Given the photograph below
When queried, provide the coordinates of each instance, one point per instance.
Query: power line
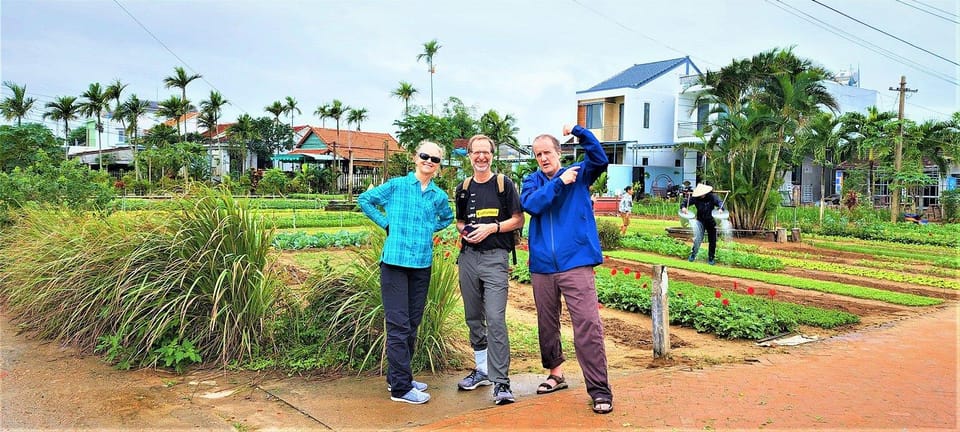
(888, 34)
(144, 27)
(625, 27)
(856, 40)
(928, 12)
(953, 14)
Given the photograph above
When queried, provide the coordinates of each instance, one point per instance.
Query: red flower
(436, 241)
(606, 257)
(446, 254)
(726, 302)
(699, 303)
(750, 290)
(594, 272)
(613, 272)
(637, 276)
(734, 284)
(626, 270)
(772, 292)
(717, 294)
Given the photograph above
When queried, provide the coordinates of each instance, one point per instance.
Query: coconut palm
(180, 80)
(63, 108)
(429, 50)
(94, 105)
(132, 110)
(405, 92)
(18, 105)
(213, 107)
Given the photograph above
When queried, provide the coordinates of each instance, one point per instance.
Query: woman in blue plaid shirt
(413, 208)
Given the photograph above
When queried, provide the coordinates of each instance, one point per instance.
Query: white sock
(481, 358)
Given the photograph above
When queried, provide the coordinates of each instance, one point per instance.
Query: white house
(640, 115)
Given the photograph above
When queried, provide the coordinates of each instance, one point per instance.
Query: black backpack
(462, 205)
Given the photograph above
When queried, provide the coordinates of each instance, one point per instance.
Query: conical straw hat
(701, 190)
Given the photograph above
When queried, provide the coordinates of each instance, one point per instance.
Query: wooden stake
(660, 312)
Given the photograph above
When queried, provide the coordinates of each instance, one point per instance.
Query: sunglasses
(433, 159)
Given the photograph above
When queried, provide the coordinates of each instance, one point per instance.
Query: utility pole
(898, 152)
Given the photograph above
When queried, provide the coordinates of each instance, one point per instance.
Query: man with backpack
(488, 216)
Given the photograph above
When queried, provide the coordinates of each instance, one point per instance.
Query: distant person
(564, 248)
(488, 211)
(413, 209)
(625, 208)
(705, 201)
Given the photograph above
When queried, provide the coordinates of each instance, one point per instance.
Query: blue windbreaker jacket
(563, 232)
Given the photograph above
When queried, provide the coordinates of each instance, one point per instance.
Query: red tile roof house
(362, 152)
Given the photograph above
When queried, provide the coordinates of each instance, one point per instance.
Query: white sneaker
(416, 384)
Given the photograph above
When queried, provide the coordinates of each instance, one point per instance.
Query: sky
(523, 58)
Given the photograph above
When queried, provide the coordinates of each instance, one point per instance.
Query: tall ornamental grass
(348, 307)
(197, 280)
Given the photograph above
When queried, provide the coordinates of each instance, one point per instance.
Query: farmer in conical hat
(705, 201)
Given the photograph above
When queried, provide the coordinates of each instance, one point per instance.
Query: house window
(677, 163)
(121, 136)
(594, 116)
(645, 162)
(703, 113)
(646, 115)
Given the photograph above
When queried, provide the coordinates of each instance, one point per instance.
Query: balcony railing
(687, 129)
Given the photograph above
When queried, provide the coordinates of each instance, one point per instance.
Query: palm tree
(289, 108)
(241, 134)
(277, 109)
(502, 131)
(356, 116)
(132, 110)
(405, 92)
(63, 108)
(113, 91)
(213, 108)
(180, 79)
(823, 140)
(870, 136)
(95, 104)
(429, 50)
(336, 110)
(18, 105)
(174, 108)
(323, 112)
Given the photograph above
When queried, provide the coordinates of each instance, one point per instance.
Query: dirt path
(895, 369)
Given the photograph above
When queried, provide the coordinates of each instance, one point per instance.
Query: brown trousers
(580, 295)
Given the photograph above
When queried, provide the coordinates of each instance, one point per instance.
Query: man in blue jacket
(564, 248)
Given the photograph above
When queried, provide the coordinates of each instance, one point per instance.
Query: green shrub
(950, 200)
(609, 233)
(274, 182)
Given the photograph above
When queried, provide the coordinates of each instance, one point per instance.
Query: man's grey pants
(483, 286)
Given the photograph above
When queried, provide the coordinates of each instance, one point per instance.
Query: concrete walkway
(902, 375)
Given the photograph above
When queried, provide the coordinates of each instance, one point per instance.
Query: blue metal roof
(638, 75)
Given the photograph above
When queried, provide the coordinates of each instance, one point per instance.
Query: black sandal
(545, 387)
(602, 405)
